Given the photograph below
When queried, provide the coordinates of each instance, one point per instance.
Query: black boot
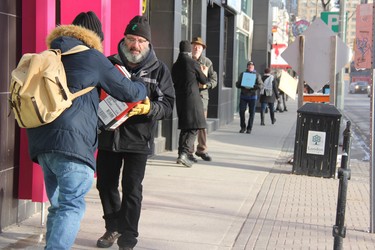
(262, 118)
(273, 119)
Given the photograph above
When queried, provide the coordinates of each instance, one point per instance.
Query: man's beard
(135, 58)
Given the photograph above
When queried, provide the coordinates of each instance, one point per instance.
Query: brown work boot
(107, 239)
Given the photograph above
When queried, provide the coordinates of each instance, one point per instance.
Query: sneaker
(274, 120)
(248, 131)
(192, 158)
(184, 160)
(107, 239)
(242, 130)
(125, 248)
(204, 156)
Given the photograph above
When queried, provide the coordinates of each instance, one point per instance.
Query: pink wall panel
(71, 8)
(38, 19)
(122, 13)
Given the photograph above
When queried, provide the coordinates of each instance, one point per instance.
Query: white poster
(288, 84)
(316, 142)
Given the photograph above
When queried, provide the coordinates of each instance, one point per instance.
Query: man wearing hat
(197, 48)
(248, 96)
(129, 146)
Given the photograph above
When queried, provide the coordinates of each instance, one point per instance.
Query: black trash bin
(316, 141)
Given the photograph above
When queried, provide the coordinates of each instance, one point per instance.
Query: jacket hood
(88, 37)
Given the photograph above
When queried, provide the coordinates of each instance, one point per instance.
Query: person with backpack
(268, 95)
(124, 151)
(65, 148)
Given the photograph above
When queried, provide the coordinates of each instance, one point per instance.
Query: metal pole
(301, 69)
(339, 229)
(42, 214)
(332, 85)
(372, 108)
(339, 78)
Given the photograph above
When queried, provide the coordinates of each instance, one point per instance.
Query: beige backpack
(38, 91)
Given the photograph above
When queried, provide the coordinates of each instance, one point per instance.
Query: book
(248, 80)
(112, 113)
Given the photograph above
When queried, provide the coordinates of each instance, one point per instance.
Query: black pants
(243, 106)
(122, 216)
(186, 140)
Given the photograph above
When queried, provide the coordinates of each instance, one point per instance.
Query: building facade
(225, 26)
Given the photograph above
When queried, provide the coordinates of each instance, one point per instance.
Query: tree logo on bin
(316, 139)
(315, 142)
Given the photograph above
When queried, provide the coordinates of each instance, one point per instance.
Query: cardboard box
(112, 113)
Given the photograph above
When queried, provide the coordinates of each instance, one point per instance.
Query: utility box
(317, 139)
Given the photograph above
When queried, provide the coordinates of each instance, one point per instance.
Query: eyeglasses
(134, 40)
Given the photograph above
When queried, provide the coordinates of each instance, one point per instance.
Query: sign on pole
(331, 19)
(317, 61)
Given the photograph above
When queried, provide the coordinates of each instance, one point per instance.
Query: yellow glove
(141, 108)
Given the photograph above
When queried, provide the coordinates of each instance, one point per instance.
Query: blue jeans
(67, 181)
(243, 106)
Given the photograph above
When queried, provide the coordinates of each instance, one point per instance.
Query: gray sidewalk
(246, 198)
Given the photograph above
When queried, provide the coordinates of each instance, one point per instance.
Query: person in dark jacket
(248, 97)
(65, 148)
(268, 95)
(187, 75)
(197, 48)
(129, 145)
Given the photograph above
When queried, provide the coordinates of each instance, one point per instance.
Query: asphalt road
(357, 109)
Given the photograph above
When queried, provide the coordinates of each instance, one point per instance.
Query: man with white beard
(129, 145)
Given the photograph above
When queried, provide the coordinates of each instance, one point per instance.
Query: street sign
(317, 54)
(331, 19)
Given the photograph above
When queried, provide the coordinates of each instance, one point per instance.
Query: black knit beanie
(185, 46)
(139, 26)
(89, 20)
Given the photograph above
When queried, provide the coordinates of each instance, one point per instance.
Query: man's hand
(202, 86)
(141, 108)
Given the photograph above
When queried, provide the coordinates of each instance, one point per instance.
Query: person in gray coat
(186, 75)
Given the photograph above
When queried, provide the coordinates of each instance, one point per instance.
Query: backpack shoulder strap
(76, 49)
(81, 92)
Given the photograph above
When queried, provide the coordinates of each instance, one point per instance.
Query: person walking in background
(248, 95)
(129, 145)
(268, 94)
(197, 48)
(281, 102)
(65, 148)
(187, 75)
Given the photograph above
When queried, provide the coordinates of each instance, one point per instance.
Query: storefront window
(186, 17)
(243, 42)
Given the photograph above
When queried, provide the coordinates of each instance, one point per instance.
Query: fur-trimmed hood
(88, 37)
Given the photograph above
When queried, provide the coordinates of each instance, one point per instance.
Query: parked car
(358, 87)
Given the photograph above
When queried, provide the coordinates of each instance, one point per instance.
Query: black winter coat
(136, 134)
(186, 75)
(74, 132)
